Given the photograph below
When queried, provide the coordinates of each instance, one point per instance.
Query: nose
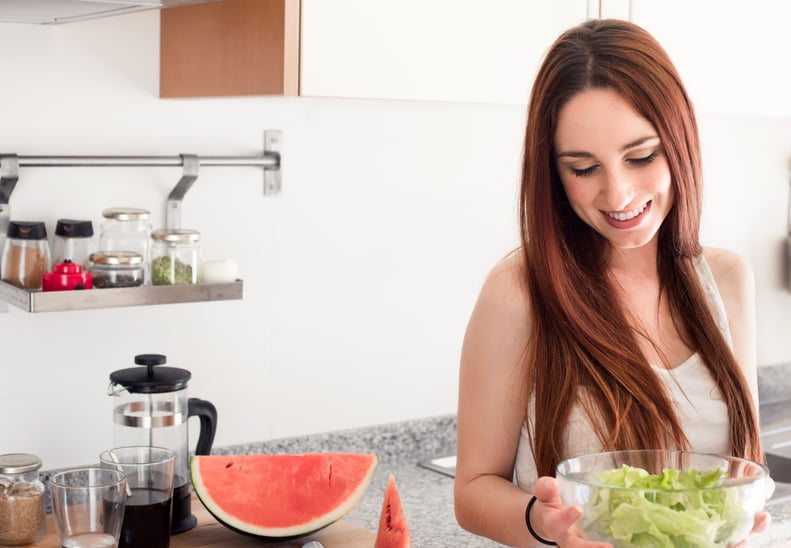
(617, 190)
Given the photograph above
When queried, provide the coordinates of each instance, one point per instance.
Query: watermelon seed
(229, 465)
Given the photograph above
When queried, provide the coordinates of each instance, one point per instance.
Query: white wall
(359, 277)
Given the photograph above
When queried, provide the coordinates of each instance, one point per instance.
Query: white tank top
(700, 407)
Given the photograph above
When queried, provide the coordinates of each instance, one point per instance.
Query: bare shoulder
(732, 273)
(736, 284)
(503, 291)
(499, 325)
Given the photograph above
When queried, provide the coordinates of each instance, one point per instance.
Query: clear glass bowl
(678, 498)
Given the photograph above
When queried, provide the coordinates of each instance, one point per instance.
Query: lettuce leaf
(671, 509)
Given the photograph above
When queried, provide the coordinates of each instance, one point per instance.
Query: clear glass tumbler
(88, 504)
(149, 475)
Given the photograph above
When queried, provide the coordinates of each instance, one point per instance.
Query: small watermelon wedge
(393, 529)
(283, 496)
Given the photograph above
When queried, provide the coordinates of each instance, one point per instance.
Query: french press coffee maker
(151, 407)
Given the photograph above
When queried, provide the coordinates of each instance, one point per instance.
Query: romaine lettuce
(663, 510)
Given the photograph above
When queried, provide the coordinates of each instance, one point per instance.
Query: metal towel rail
(269, 161)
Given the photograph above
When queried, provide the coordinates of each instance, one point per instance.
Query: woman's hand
(761, 523)
(762, 519)
(552, 520)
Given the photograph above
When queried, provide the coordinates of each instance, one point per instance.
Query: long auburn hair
(581, 335)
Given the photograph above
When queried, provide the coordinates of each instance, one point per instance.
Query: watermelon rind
(282, 533)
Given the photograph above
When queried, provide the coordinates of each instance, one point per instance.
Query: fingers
(762, 521)
(550, 517)
(546, 489)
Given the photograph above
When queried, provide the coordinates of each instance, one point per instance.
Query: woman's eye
(584, 172)
(643, 161)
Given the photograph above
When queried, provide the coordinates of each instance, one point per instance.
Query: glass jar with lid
(175, 256)
(116, 269)
(26, 254)
(73, 241)
(21, 500)
(126, 229)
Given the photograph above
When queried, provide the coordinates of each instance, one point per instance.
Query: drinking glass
(149, 475)
(88, 504)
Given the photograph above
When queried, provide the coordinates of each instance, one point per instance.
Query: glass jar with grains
(21, 500)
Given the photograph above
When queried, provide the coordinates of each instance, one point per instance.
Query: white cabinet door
(436, 50)
(733, 55)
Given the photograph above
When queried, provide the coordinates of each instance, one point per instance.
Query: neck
(635, 264)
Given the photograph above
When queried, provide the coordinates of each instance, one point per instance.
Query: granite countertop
(426, 495)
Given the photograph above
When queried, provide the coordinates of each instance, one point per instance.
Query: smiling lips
(626, 219)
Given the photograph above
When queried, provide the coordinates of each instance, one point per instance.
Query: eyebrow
(627, 146)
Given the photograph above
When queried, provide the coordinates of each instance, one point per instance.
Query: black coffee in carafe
(151, 407)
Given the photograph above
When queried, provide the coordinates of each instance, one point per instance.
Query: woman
(610, 327)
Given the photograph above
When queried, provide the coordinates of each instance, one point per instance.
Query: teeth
(627, 215)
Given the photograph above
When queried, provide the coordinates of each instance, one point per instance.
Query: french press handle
(207, 414)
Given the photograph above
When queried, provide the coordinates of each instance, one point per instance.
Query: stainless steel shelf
(38, 301)
(57, 301)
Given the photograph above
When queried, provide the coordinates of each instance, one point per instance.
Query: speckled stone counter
(427, 496)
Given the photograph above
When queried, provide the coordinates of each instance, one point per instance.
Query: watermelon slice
(393, 529)
(281, 497)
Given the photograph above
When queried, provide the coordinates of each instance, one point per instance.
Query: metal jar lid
(126, 213)
(121, 258)
(70, 228)
(19, 463)
(175, 235)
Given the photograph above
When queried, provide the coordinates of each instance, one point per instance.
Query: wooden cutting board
(210, 533)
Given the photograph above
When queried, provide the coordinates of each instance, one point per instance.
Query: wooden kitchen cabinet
(428, 50)
(231, 47)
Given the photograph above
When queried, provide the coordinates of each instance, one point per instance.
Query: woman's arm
(492, 402)
(491, 411)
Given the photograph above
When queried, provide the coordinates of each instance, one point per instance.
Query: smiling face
(613, 168)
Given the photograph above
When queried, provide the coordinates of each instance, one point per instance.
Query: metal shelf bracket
(9, 175)
(272, 178)
(191, 165)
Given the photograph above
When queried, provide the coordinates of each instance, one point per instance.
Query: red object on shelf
(66, 276)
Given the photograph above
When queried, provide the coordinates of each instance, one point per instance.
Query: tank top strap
(713, 297)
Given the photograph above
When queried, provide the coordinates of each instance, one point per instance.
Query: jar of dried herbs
(175, 256)
(21, 500)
